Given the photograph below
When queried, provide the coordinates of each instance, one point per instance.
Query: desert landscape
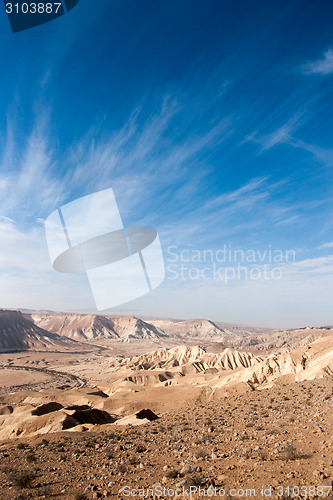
(118, 406)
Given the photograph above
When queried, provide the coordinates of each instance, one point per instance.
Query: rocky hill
(193, 329)
(17, 333)
(197, 357)
(91, 327)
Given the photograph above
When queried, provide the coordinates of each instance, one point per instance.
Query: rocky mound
(6, 410)
(288, 340)
(306, 363)
(46, 408)
(148, 414)
(197, 357)
(91, 416)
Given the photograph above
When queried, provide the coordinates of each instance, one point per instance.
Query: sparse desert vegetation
(171, 416)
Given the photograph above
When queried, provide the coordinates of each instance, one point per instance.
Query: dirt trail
(59, 380)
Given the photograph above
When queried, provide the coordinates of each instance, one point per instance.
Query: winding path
(60, 380)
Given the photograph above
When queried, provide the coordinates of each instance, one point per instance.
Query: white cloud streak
(323, 66)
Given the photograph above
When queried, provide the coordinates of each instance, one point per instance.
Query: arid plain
(118, 406)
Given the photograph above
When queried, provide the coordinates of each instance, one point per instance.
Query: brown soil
(276, 437)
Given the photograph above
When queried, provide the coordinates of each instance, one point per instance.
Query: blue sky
(212, 122)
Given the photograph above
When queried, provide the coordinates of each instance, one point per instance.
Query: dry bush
(23, 479)
(80, 496)
(31, 457)
(290, 452)
(22, 446)
(133, 460)
(201, 453)
(122, 468)
(172, 474)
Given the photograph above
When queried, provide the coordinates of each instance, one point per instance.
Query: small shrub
(140, 448)
(273, 431)
(201, 453)
(194, 480)
(290, 452)
(172, 474)
(31, 458)
(21, 446)
(133, 460)
(113, 436)
(262, 455)
(20, 496)
(122, 468)
(80, 496)
(109, 453)
(23, 479)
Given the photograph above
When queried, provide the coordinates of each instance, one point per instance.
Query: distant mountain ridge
(17, 333)
(194, 328)
(88, 327)
(41, 330)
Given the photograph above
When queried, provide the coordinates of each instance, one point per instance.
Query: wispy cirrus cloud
(258, 205)
(280, 135)
(323, 66)
(149, 161)
(287, 134)
(29, 175)
(142, 161)
(323, 155)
